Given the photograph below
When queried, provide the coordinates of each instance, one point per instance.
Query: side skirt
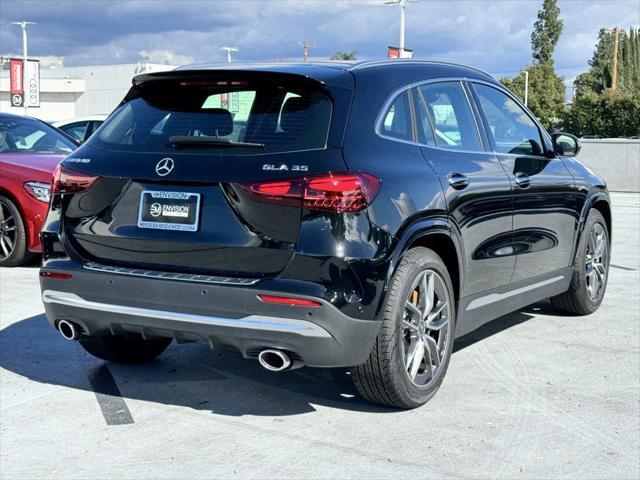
(476, 310)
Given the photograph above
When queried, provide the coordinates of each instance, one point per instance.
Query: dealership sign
(395, 52)
(17, 83)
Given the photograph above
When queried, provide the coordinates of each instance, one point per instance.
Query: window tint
(512, 129)
(453, 124)
(27, 135)
(397, 119)
(283, 118)
(76, 130)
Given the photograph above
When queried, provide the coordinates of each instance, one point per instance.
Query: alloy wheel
(7, 231)
(596, 261)
(425, 325)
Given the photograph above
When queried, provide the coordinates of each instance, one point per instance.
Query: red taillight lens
(294, 302)
(338, 192)
(56, 275)
(66, 180)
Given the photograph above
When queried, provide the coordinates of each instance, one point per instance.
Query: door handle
(522, 180)
(458, 181)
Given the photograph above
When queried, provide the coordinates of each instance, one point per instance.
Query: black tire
(383, 378)
(124, 349)
(577, 300)
(18, 253)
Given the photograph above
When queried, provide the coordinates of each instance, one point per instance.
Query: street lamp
(403, 4)
(25, 80)
(229, 50)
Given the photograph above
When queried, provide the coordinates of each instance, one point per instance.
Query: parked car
(81, 128)
(29, 151)
(364, 216)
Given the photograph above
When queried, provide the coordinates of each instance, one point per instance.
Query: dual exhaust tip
(271, 359)
(68, 330)
(277, 360)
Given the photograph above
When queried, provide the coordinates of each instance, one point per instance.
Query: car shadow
(193, 376)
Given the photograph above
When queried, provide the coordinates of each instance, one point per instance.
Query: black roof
(315, 69)
(396, 72)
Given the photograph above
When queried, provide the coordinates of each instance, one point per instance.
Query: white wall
(75, 91)
(617, 160)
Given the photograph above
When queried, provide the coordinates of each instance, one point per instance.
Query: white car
(81, 128)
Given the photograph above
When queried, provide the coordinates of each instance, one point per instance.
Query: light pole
(305, 49)
(526, 88)
(25, 80)
(229, 50)
(403, 14)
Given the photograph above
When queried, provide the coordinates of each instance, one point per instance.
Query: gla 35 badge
(285, 167)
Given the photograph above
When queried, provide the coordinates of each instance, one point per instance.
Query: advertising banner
(32, 94)
(16, 82)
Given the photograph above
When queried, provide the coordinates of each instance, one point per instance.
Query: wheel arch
(436, 235)
(601, 202)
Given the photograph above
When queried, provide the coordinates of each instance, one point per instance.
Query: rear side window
(450, 116)
(277, 118)
(396, 121)
(513, 130)
(76, 130)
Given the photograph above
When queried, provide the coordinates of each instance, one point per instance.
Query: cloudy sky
(493, 35)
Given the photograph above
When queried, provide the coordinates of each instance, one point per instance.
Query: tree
(546, 32)
(547, 92)
(598, 78)
(611, 114)
(340, 55)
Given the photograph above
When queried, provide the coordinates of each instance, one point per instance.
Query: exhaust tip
(274, 360)
(68, 330)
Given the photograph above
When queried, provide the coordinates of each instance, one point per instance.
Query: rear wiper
(186, 140)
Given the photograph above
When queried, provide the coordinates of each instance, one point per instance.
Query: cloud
(492, 35)
(165, 56)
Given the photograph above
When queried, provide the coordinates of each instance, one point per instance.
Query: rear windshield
(231, 117)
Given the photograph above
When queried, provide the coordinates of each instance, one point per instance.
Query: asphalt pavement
(533, 394)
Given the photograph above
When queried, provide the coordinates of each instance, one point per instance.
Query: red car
(29, 151)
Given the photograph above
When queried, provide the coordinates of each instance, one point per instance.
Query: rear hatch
(196, 171)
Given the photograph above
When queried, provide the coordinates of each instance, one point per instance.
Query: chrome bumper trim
(251, 322)
(184, 277)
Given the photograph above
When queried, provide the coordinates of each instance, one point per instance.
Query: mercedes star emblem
(164, 166)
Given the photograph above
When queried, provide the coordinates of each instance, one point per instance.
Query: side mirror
(565, 144)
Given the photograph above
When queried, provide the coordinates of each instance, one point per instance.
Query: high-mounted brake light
(66, 180)
(337, 192)
(294, 302)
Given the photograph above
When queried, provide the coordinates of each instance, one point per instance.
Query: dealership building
(68, 92)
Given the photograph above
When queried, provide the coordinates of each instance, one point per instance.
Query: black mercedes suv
(328, 215)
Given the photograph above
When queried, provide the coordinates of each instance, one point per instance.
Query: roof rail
(410, 61)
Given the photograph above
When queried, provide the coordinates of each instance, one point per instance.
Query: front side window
(513, 130)
(268, 118)
(448, 110)
(25, 135)
(396, 121)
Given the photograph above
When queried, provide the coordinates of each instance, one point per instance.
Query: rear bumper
(185, 309)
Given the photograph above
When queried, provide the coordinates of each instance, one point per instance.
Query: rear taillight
(291, 301)
(56, 275)
(337, 192)
(66, 180)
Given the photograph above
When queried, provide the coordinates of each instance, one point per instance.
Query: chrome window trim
(404, 88)
(250, 322)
